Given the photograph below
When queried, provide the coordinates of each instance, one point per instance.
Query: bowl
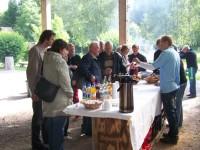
(91, 104)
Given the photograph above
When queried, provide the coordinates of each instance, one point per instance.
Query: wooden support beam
(46, 14)
(122, 22)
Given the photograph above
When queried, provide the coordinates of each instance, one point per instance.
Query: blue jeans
(192, 77)
(179, 108)
(55, 127)
(169, 105)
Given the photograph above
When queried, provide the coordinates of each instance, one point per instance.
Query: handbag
(46, 90)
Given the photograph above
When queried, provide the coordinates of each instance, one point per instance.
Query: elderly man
(111, 62)
(169, 64)
(136, 54)
(90, 72)
(33, 73)
(192, 67)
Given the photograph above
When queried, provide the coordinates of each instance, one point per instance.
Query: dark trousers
(66, 126)
(169, 104)
(55, 127)
(192, 77)
(38, 125)
(87, 126)
(179, 107)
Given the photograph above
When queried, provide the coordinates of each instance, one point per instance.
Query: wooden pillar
(46, 14)
(122, 21)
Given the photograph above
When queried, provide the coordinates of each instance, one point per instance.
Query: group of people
(57, 62)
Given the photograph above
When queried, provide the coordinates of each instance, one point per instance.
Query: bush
(12, 44)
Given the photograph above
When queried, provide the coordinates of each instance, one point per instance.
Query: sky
(4, 5)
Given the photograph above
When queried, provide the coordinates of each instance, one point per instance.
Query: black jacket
(89, 66)
(191, 59)
(118, 66)
(140, 57)
(183, 78)
(155, 56)
(75, 60)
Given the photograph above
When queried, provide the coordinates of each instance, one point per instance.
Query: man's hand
(35, 98)
(73, 67)
(108, 71)
(136, 60)
(73, 82)
(93, 79)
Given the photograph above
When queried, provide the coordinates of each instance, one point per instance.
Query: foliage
(84, 20)
(58, 28)
(111, 35)
(181, 19)
(28, 19)
(12, 44)
(9, 17)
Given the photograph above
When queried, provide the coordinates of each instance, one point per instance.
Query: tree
(58, 28)
(9, 17)
(84, 20)
(28, 19)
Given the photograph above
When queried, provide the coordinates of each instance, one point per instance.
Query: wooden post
(122, 21)
(46, 14)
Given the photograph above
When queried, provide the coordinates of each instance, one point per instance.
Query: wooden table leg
(110, 134)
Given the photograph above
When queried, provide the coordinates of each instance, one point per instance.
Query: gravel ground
(16, 112)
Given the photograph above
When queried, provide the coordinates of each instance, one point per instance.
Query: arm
(84, 68)
(64, 79)
(33, 69)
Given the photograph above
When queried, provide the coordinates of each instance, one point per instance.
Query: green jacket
(55, 70)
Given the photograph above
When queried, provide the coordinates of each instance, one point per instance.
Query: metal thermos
(126, 100)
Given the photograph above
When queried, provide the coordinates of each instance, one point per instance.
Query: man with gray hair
(192, 67)
(90, 72)
(111, 62)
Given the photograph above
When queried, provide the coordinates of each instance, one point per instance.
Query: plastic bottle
(84, 91)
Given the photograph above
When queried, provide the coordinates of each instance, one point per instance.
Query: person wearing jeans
(192, 77)
(192, 67)
(56, 71)
(169, 64)
(55, 127)
(33, 72)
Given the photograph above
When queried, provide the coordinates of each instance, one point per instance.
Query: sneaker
(188, 95)
(68, 137)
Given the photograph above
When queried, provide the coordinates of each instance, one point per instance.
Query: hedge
(12, 44)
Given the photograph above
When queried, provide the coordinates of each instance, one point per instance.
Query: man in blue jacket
(90, 72)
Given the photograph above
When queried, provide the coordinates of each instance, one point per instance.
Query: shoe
(188, 95)
(192, 96)
(165, 135)
(40, 147)
(82, 134)
(169, 140)
(68, 137)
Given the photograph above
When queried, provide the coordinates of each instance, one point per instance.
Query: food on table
(152, 79)
(91, 104)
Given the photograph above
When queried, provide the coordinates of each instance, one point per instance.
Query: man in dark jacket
(180, 94)
(136, 54)
(111, 62)
(90, 70)
(192, 67)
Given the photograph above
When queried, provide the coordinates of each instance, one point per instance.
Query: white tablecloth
(147, 105)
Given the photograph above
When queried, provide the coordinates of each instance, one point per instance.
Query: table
(132, 127)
